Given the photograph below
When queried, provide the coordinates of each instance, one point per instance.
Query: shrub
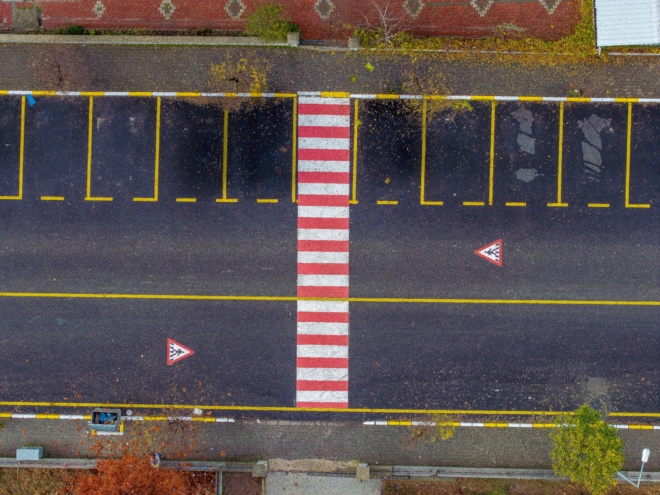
(587, 450)
(269, 22)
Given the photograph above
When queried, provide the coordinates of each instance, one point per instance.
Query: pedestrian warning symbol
(492, 252)
(177, 352)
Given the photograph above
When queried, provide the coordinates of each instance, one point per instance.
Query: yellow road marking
(480, 412)
(141, 93)
(598, 205)
(510, 203)
(474, 203)
(387, 202)
(400, 300)
(294, 153)
(491, 158)
(186, 200)
(90, 130)
(335, 94)
(184, 94)
(157, 157)
(628, 139)
(267, 200)
(225, 152)
(21, 155)
(356, 125)
(52, 198)
(387, 96)
(422, 184)
(560, 159)
(530, 98)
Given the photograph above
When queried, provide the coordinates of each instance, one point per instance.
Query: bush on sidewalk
(587, 450)
(269, 22)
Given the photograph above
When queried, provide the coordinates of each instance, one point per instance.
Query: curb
(64, 39)
(461, 424)
(88, 417)
(329, 94)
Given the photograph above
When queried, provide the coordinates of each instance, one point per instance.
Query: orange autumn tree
(131, 474)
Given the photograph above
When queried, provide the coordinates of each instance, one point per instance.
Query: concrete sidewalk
(248, 440)
(176, 68)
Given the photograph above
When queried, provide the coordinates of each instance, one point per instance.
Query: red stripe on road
(306, 339)
(324, 246)
(316, 385)
(323, 109)
(324, 155)
(322, 317)
(322, 362)
(324, 132)
(324, 177)
(323, 405)
(322, 268)
(337, 292)
(323, 200)
(323, 223)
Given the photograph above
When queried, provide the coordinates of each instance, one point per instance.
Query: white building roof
(627, 22)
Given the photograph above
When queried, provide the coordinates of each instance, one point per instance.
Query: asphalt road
(441, 354)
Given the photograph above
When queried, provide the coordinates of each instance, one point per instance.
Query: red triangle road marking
(492, 252)
(177, 352)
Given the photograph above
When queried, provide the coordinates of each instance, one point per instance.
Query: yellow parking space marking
(560, 159)
(157, 157)
(90, 131)
(628, 139)
(491, 158)
(387, 202)
(513, 203)
(267, 200)
(598, 205)
(186, 200)
(21, 156)
(422, 184)
(474, 203)
(356, 126)
(225, 151)
(294, 153)
(52, 198)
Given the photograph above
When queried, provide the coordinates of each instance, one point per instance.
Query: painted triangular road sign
(492, 252)
(177, 352)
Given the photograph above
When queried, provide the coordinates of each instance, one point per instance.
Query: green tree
(587, 450)
(269, 22)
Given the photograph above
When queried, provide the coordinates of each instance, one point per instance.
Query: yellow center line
(399, 300)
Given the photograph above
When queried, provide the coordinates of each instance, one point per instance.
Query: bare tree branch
(387, 23)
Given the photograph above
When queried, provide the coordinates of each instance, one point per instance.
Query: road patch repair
(418, 293)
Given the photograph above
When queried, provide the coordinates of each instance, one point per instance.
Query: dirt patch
(241, 484)
(502, 487)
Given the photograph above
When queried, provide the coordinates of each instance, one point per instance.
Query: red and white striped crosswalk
(323, 242)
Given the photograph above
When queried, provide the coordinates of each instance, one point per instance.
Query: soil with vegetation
(503, 487)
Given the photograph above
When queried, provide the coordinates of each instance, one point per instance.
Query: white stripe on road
(325, 396)
(331, 374)
(327, 189)
(324, 120)
(322, 280)
(307, 143)
(322, 351)
(322, 257)
(323, 166)
(311, 100)
(322, 234)
(323, 211)
(322, 328)
(323, 306)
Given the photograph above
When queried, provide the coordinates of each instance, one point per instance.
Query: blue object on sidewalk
(31, 100)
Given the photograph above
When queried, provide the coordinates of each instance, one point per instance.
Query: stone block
(29, 453)
(25, 19)
(259, 469)
(353, 43)
(363, 473)
(293, 39)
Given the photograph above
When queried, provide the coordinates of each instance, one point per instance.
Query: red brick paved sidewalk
(318, 19)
